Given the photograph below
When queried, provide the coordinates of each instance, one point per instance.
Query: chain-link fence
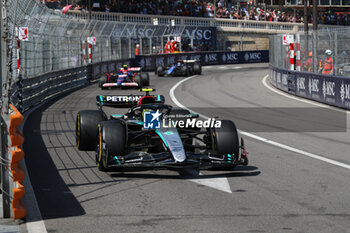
(57, 41)
(322, 52)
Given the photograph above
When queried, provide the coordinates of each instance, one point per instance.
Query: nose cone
(172, 139)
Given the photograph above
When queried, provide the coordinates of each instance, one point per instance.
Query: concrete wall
(241, 41)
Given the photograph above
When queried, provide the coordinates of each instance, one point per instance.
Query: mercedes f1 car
(134, 140)
(181, 68)
(133, 77)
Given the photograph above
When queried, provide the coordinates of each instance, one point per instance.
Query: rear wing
(134, 69)
(123, 101)
(191, 61)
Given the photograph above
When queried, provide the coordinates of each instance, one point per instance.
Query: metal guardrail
(26, 93)
(228, 25)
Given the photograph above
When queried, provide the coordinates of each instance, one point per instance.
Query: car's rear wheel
(103, 80)
(138, 80)
(197, 68)
(111, 143)
(160, 71)
(185, 71)
(145, 79)
(86, 128)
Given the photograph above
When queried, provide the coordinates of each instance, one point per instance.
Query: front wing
(164, 160)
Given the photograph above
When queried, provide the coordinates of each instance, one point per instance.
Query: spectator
(328, 63)
(197, 8)
(137, 50)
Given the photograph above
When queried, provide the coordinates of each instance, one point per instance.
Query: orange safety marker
(18, 174)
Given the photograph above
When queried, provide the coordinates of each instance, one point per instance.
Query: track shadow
(54, 197)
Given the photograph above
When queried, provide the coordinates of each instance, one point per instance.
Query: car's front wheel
(111, 143)
(86, 128)
(103, 80)
(225, 142)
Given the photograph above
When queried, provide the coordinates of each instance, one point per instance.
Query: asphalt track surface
(279, 191)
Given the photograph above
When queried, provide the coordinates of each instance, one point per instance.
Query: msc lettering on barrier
(301, 84)
(344, 92)
(328, 88)
(313, 85)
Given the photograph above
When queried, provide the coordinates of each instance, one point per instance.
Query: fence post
(314, 52)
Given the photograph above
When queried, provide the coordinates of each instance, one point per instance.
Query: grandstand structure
(226, 25)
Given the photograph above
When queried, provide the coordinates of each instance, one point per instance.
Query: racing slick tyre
(197, 68)
(185, 71)
(145, 79)
(160, 71)
(138, 80)
(103, 80)
(225, 139)
(111, 143)
(86, 128)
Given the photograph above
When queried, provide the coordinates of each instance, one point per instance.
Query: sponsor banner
(332, 90)
(150, 62)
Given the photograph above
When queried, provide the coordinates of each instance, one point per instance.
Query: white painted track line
(256, 137)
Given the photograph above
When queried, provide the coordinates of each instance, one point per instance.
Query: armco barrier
(17, 139)
(26, 93)
(332, 90)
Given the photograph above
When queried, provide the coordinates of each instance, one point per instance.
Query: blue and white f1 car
(140, 139)
(181, 68)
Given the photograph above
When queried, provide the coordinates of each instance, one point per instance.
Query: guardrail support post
(89, 72)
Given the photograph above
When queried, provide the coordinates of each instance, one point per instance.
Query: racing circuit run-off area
(124, 122)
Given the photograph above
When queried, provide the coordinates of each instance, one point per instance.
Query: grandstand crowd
(197, 8)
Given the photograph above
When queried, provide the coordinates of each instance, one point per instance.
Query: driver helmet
(328, 52)
(125, 67)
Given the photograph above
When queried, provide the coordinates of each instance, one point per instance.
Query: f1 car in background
(181, 68)
(125, 141)
(132, 77)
